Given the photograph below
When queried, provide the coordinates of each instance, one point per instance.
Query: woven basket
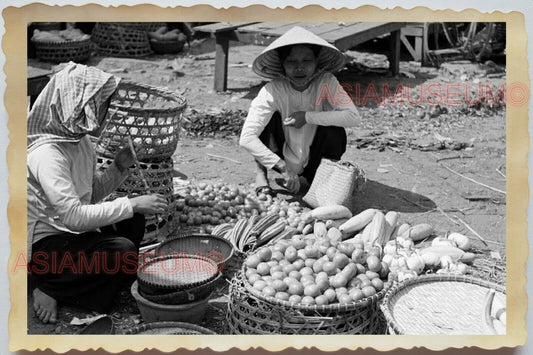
(215, 248)
(443, 304)
(120, 40)
(335, 183)
(150, 116)
(141, 26)
(168, 328)
(163, 275)
(58, 52)
(250, 312)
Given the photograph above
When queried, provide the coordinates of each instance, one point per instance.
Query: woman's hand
(296, 119)
(149, 204)
(124, 159)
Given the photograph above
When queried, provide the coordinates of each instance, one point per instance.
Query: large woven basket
(150, 116)
(250, 312)
(166, 47)
(168, 328)
(58, 52)
(439, 304)
(121, 39)
(335, 183)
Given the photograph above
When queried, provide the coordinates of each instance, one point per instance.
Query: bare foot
(45, 307)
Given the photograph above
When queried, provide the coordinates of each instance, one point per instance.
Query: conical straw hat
(268, 64)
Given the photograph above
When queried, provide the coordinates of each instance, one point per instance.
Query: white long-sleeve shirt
(325, 102)
(64, 190)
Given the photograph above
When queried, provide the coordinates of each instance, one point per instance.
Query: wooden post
(394, 58)
(221, 63)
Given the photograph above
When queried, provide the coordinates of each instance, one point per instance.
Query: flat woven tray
(439, 304)
(215, 248)
(168, 328)
(149, 115)
(250, 312)
(177, 272)
(57, 52)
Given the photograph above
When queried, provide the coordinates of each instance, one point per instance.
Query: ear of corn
(391, 218)
(358, 221)
(377, 230)
(324, 213)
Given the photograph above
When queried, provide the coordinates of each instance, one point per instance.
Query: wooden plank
(221, 27)
(365, 32)
(275, 29)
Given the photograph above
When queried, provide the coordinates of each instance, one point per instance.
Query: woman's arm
(261, 110)
(51, 170)
(342, 111)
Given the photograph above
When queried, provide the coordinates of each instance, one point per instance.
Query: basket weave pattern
(442, 304)
(335, 183)
(149, 115)
(249, 312)
(57, 52)
(121, 40)
(168, 328)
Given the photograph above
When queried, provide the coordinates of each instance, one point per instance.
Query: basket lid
(177, 271)
(440, 304)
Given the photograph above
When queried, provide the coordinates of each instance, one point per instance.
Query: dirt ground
(427, 162)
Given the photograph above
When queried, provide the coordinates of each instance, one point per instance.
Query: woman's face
(300, 65)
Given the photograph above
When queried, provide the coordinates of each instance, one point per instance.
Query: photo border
(15, 100)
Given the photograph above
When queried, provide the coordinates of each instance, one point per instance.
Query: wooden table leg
(221, 63)
(394, 58)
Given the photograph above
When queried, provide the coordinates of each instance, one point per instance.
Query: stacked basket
(175, 287)
(149, 118)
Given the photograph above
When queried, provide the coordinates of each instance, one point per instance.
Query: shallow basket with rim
(149, 115)
(64, 51)
(251, 312)
(439, 304)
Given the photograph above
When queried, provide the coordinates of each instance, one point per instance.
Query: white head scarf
(69, 106)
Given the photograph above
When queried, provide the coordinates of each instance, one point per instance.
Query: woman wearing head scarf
(81, 249)
(298, 118)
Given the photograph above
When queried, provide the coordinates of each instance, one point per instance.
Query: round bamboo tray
(250, 312)
(444, 304)
(168, 328)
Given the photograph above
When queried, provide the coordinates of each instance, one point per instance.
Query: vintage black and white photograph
(301, 178)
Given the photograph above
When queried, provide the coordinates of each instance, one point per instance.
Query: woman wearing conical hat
(299, 117)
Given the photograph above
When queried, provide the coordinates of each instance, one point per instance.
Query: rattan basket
(439, 304)
(117, 39)
(250, 312)
(150, 116)
(335, 183)
(168, 328)
(58, 52)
